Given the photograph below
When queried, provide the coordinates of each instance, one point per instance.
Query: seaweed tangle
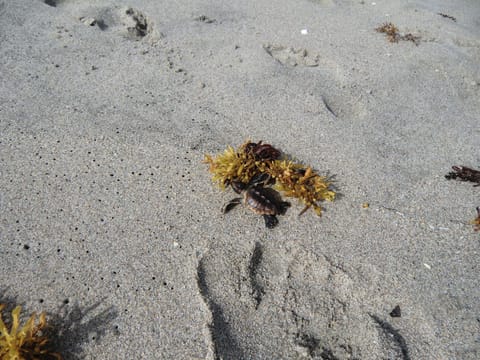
(393, 35)
(27, 342)
(252, 160)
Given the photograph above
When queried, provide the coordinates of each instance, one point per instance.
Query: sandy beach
(111, 224)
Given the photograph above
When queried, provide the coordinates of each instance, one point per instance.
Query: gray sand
(110, 221)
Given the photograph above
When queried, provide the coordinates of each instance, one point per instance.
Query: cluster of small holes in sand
(63, 31)
(150, 282)
(51, 177)
(147, 99)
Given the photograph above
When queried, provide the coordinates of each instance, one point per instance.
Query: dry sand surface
(110, 222)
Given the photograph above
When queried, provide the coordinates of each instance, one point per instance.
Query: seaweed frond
(26, 342)
(447, 16)
(232, 165)
(476, 222)
(296, 180)
(390, 30)
(393, 35)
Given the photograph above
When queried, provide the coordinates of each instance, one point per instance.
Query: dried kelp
(252, 160)
(447, 16)
(464, 173)
(27, 342)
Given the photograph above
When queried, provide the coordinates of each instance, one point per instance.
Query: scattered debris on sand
(394, 36)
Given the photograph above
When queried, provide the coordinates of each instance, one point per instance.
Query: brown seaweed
(394, 36)
(448, 16)
(464, 173)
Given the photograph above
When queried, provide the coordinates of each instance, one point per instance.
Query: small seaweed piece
(447, 16)
(390, 30)
(27, 342)
(476, 222)
(205, 19)
(261, 151)
(232, 166)
(410, 37)
(296, 180)
(394, 36)
(464, 173)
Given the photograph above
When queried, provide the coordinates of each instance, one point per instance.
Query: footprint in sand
(270, 303)
(126, 21)
(291, 57)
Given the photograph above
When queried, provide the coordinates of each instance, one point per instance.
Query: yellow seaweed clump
(296, 180)
(233, 165)
(290, 178)
(27, 342)
(476, 222)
